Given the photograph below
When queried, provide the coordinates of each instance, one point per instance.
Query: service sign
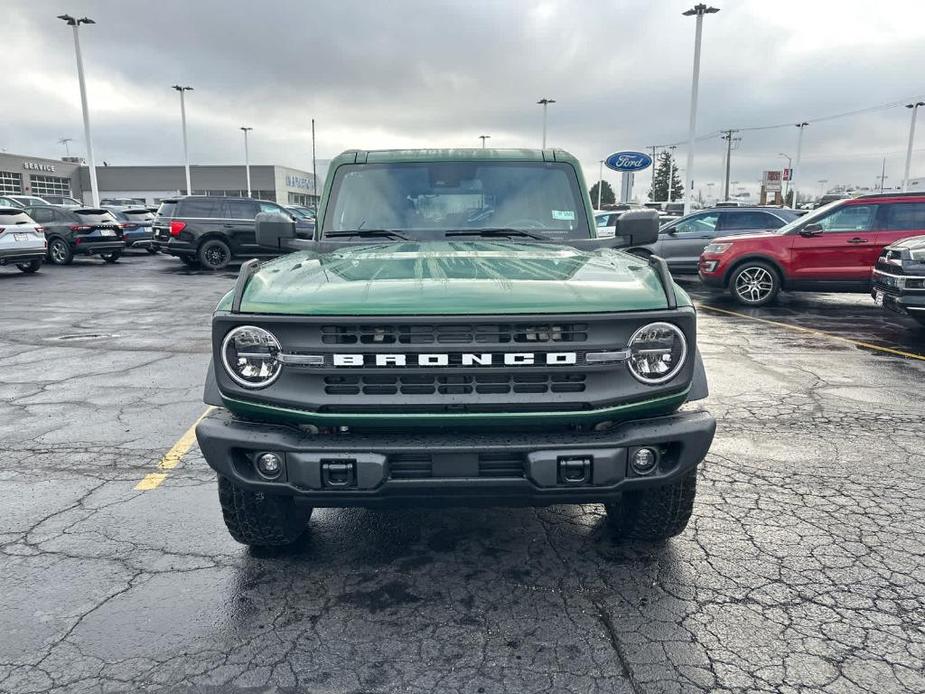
(628, 161)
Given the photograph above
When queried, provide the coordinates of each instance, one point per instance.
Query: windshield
(808, 218)
(95, 216)
(424, 200)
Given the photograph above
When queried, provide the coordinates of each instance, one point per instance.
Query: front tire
(754, 283)
(30, 267)
(261, 520)
(111, 257)
(60, 253)
(654, 515)
(214, 254)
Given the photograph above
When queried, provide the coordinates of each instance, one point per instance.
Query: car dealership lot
(802, 567)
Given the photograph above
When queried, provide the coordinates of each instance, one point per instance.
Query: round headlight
(250, 356)
(657, 352)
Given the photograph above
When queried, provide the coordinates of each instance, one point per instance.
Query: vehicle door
(899, 220)
(238, 222)
(841, 246)
(681, 243)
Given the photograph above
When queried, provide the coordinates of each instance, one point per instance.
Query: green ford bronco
(455, 333)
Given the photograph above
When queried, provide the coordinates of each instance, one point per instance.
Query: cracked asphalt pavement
(803, 568)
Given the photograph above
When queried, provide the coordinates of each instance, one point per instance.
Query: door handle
(228, 226)
(857, 240)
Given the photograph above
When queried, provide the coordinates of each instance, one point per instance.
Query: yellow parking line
(813, 331)
(172, 458)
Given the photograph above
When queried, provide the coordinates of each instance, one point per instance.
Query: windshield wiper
(390, 233)
(499, 231)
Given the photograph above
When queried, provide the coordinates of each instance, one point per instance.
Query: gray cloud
(438, 73)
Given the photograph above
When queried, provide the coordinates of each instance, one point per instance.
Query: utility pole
(483, 138)
(545, 103)
(74, 23)
(654, 164)
(600, 184)
(182, 90)
(796, 166)
(728, 138)
(671, 149)
(914, 107)
(698, 11)
(790, 172)
(314, 171)
(247, 160)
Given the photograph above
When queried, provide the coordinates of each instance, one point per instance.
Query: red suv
(833, 248)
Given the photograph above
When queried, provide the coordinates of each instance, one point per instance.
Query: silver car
(22, 241)
(680, 242)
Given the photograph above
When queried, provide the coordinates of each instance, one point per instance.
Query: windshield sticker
(564, 215)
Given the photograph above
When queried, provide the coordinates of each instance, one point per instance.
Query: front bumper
(898, 301)
(461, 468)
(711, 271)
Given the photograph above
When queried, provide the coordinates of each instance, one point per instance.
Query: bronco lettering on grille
(465, 358)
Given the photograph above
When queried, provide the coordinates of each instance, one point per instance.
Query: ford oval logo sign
(628, 161)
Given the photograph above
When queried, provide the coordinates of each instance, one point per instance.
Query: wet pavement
(803, 568)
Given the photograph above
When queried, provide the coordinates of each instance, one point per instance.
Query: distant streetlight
(483, 138)
(247, 162)
(698, 11)
(91, 162)
(796, 165)
(789, 161)
(914, 107)
(545, 103)
(189, 186)
(64, 141)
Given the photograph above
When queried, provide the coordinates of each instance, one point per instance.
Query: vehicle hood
(912, 243)
(744, 237)
(449, 277)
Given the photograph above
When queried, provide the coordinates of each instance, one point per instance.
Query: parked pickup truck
(454, 333)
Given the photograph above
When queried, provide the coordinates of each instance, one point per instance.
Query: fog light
(644, 461)
(269, 465)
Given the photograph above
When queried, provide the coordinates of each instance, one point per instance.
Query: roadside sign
(772, 181)
(628, 161)
(787, 174)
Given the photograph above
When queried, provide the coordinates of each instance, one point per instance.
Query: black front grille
(415, 466)
(450, 334)
(426, 384)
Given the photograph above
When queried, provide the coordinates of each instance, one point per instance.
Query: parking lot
(802, 567)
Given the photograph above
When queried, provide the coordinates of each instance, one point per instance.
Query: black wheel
(189, 260)
(152, 250)
(30, 267)
(261, 520)
(754, 283)
(111, 257)
(214, 254)
(655, 514)
(59, 252)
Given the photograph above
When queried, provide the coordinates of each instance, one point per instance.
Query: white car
(22, 241)
(28, 200)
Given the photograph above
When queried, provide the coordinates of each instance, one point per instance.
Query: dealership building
(25, 175)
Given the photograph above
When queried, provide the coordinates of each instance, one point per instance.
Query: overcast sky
(434, 73)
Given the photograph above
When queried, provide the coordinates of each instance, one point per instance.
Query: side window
(849, 218)
(239, 209)
(750, 220)
(905, 216)
(601, 220)
(198, 208)
(697, 224)
(42, 215)
(270, 207)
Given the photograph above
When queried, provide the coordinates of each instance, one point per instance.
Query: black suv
(79, 231)
(899, 278)
(210, 231)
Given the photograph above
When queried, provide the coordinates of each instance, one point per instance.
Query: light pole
(483, 138)
(247, 161)
(545, 102)
(600, 183)
(64, 141)
(74, 23)
(822, 182)
(796, 166)
(698, 11)
(789, 162)
(189, 186)
(914, 107)
(672, 148)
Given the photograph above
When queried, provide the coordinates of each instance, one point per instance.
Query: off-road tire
(30, 267)
(214, 254)
(261, 520)
(656, 514)
(111, 257)
(765, 283)
(60, 253)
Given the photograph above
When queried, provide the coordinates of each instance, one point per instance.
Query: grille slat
(409, 466)
(479, 333)
(496, 384)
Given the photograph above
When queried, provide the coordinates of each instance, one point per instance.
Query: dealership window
(256, 194)
(10, 183)
(302, 199)
(50, 185)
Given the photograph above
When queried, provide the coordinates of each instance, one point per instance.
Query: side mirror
(274, 230)
(811, 230)
(638, 227)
